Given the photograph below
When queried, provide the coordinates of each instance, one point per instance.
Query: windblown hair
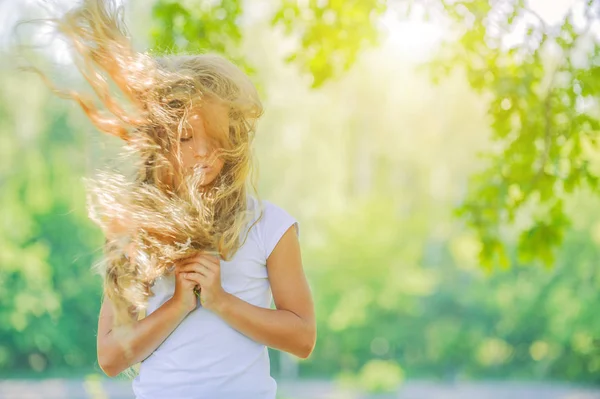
(161, 214)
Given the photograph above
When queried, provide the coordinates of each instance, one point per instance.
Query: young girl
(186, 244)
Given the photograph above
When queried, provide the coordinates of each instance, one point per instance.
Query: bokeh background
(442, 158)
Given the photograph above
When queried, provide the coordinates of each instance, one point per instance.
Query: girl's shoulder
(273, 223)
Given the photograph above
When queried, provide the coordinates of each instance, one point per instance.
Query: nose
(201, 149)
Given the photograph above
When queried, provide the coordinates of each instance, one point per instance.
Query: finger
(196, 278)
(189, 276)
(188, 259)
(186, 265)
(199, 258)
(181, 276)
(208, 278)
(197, 270)
(202, 266)
(204, 255)
(183, 262)
(187, 283)
(215, 260)
(210, 263)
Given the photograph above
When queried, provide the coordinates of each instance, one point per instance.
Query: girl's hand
(184, 297)
(205, 270)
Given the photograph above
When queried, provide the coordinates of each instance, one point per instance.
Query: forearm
(276, 328)
(128, 345)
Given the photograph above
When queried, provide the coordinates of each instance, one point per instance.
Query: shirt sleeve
(275, 222)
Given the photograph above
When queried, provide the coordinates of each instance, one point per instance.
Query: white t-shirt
(205, 358)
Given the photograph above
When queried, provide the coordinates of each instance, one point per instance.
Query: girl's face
(201, 138)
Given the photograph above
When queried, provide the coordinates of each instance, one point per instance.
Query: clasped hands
(204, 270)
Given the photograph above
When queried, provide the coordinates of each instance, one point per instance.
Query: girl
(192, 260)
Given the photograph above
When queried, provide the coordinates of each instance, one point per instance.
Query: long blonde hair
(149, 221)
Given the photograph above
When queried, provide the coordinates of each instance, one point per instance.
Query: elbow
(304, 353)
(110, 372)
(108, 368)
(307, 343)
(108, 364)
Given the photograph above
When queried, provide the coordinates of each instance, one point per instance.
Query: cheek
(219, 165)
(186, 155)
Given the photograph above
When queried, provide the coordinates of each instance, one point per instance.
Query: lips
(202, 168)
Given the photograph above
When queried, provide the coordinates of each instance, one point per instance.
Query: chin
(208, 183)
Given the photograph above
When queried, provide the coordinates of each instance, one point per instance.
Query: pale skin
(290, 327)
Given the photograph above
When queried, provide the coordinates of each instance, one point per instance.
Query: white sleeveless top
(204, 357)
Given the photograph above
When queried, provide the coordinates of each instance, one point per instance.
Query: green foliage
(47, 291)
(546, 140)
(330, 33)
(196, 26)
(524, 323)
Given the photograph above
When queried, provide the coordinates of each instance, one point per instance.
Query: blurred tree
(330, 33)
(401, 297)
(540, 80)
(47, 292)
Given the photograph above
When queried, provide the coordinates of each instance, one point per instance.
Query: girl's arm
(120, 348)
(290, 327)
